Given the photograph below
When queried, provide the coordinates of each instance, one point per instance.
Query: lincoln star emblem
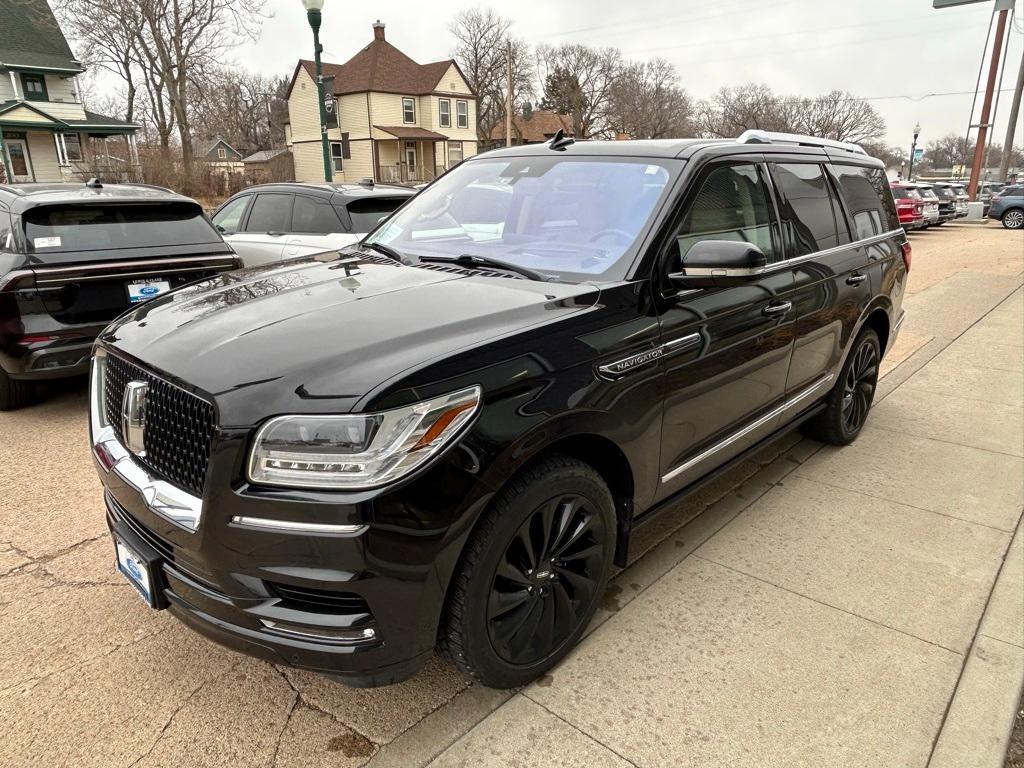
(133, 416)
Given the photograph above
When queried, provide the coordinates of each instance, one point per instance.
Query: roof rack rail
(775, 137)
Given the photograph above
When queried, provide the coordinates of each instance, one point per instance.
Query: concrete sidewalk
(867, 609)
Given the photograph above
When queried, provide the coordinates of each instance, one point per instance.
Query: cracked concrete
(90, 677)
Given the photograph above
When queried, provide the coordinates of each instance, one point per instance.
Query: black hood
(307, 337)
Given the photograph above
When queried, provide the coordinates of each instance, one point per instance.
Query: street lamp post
(313, 8)
(913, 149)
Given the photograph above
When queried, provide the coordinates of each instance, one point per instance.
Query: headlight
(358, 451)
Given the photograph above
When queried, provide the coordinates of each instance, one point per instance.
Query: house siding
(61, 111)
(303, 110)
(309, 161)
(6, 90)
(352, 117)
(44, 156)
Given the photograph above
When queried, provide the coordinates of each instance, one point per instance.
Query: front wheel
(531, 575)
(847, 405)
(1013, 218)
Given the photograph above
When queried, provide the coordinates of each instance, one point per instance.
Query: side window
(462, 114)
(315, 216)
(229, 218)
(731, 204)
(444, 111)
(270, 213)
(408, 110)
(869, 200)
(810, 218)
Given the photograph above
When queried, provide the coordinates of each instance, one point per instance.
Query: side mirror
(719, 263)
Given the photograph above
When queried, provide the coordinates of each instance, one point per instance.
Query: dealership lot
(815, 606)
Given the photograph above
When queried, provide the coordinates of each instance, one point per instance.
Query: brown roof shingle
(411, 132)
(382, 67)
(542, 125)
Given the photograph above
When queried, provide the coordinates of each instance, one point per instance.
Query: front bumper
(350, 585)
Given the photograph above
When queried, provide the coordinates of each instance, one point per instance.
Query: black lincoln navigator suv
(443, 436)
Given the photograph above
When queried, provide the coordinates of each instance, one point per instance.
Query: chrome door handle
(856, 278)
(772, 310)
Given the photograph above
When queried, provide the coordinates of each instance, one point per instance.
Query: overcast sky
(873, 48)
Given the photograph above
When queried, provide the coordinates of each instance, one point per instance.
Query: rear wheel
(14, 393)
(532, 574)
(1013, 218)
(848, 404)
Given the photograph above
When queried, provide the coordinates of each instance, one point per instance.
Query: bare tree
(578, 81)
(647, 102)
(839, 115)
(835, 115)
(733, 110)
(182, 37)
(246, 109)
(482, 38)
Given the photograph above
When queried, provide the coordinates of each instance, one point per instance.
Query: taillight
(907, 253)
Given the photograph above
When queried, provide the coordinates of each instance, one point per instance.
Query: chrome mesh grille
(179, 425)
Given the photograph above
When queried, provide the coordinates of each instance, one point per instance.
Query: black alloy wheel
(849, 402)
(531, 573)
(859, 386)
(546, 579)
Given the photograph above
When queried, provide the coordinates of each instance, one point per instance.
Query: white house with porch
(397, 120)
(45, 132)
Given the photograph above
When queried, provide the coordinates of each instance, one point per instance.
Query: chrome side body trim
(290, 526)
(709, 452)
(166, 500)
(622, 366)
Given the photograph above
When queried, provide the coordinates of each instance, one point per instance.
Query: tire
(848, 404)
(531, 575)
(14, 393)
(1013, 218)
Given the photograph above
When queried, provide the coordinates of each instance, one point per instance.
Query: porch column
(64, 149)
(8, 176)
(14, 84)
(60, 154)
(133, 149)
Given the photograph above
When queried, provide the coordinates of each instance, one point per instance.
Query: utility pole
(986, 104)
(1011, 126)
(508, 96)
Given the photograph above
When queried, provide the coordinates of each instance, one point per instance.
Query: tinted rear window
(367, 212)
(64, 228)
(868, 199)
(905, 192)
(807, 210)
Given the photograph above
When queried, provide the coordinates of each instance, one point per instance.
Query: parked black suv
(73, 257)
(445, 435)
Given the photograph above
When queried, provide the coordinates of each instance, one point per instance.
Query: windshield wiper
(388, 251)
(469, 260)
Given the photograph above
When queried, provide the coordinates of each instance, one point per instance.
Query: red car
(909, 206)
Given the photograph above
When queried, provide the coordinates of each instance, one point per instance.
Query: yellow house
(397, 120)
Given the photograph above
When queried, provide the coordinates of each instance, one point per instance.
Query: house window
(336, 156)
(454, 153)
(73, 146)
(444, 107)
(34, 87)
(222, 153)
(462, 113)
(408, 110)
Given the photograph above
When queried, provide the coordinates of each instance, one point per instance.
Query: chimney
(378, 30)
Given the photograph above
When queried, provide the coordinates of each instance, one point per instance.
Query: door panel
(832, 285)
(21, 165)
(262, 241)
(720, 394)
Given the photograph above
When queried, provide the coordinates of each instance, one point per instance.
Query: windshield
(63, 228)
(571, 219)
